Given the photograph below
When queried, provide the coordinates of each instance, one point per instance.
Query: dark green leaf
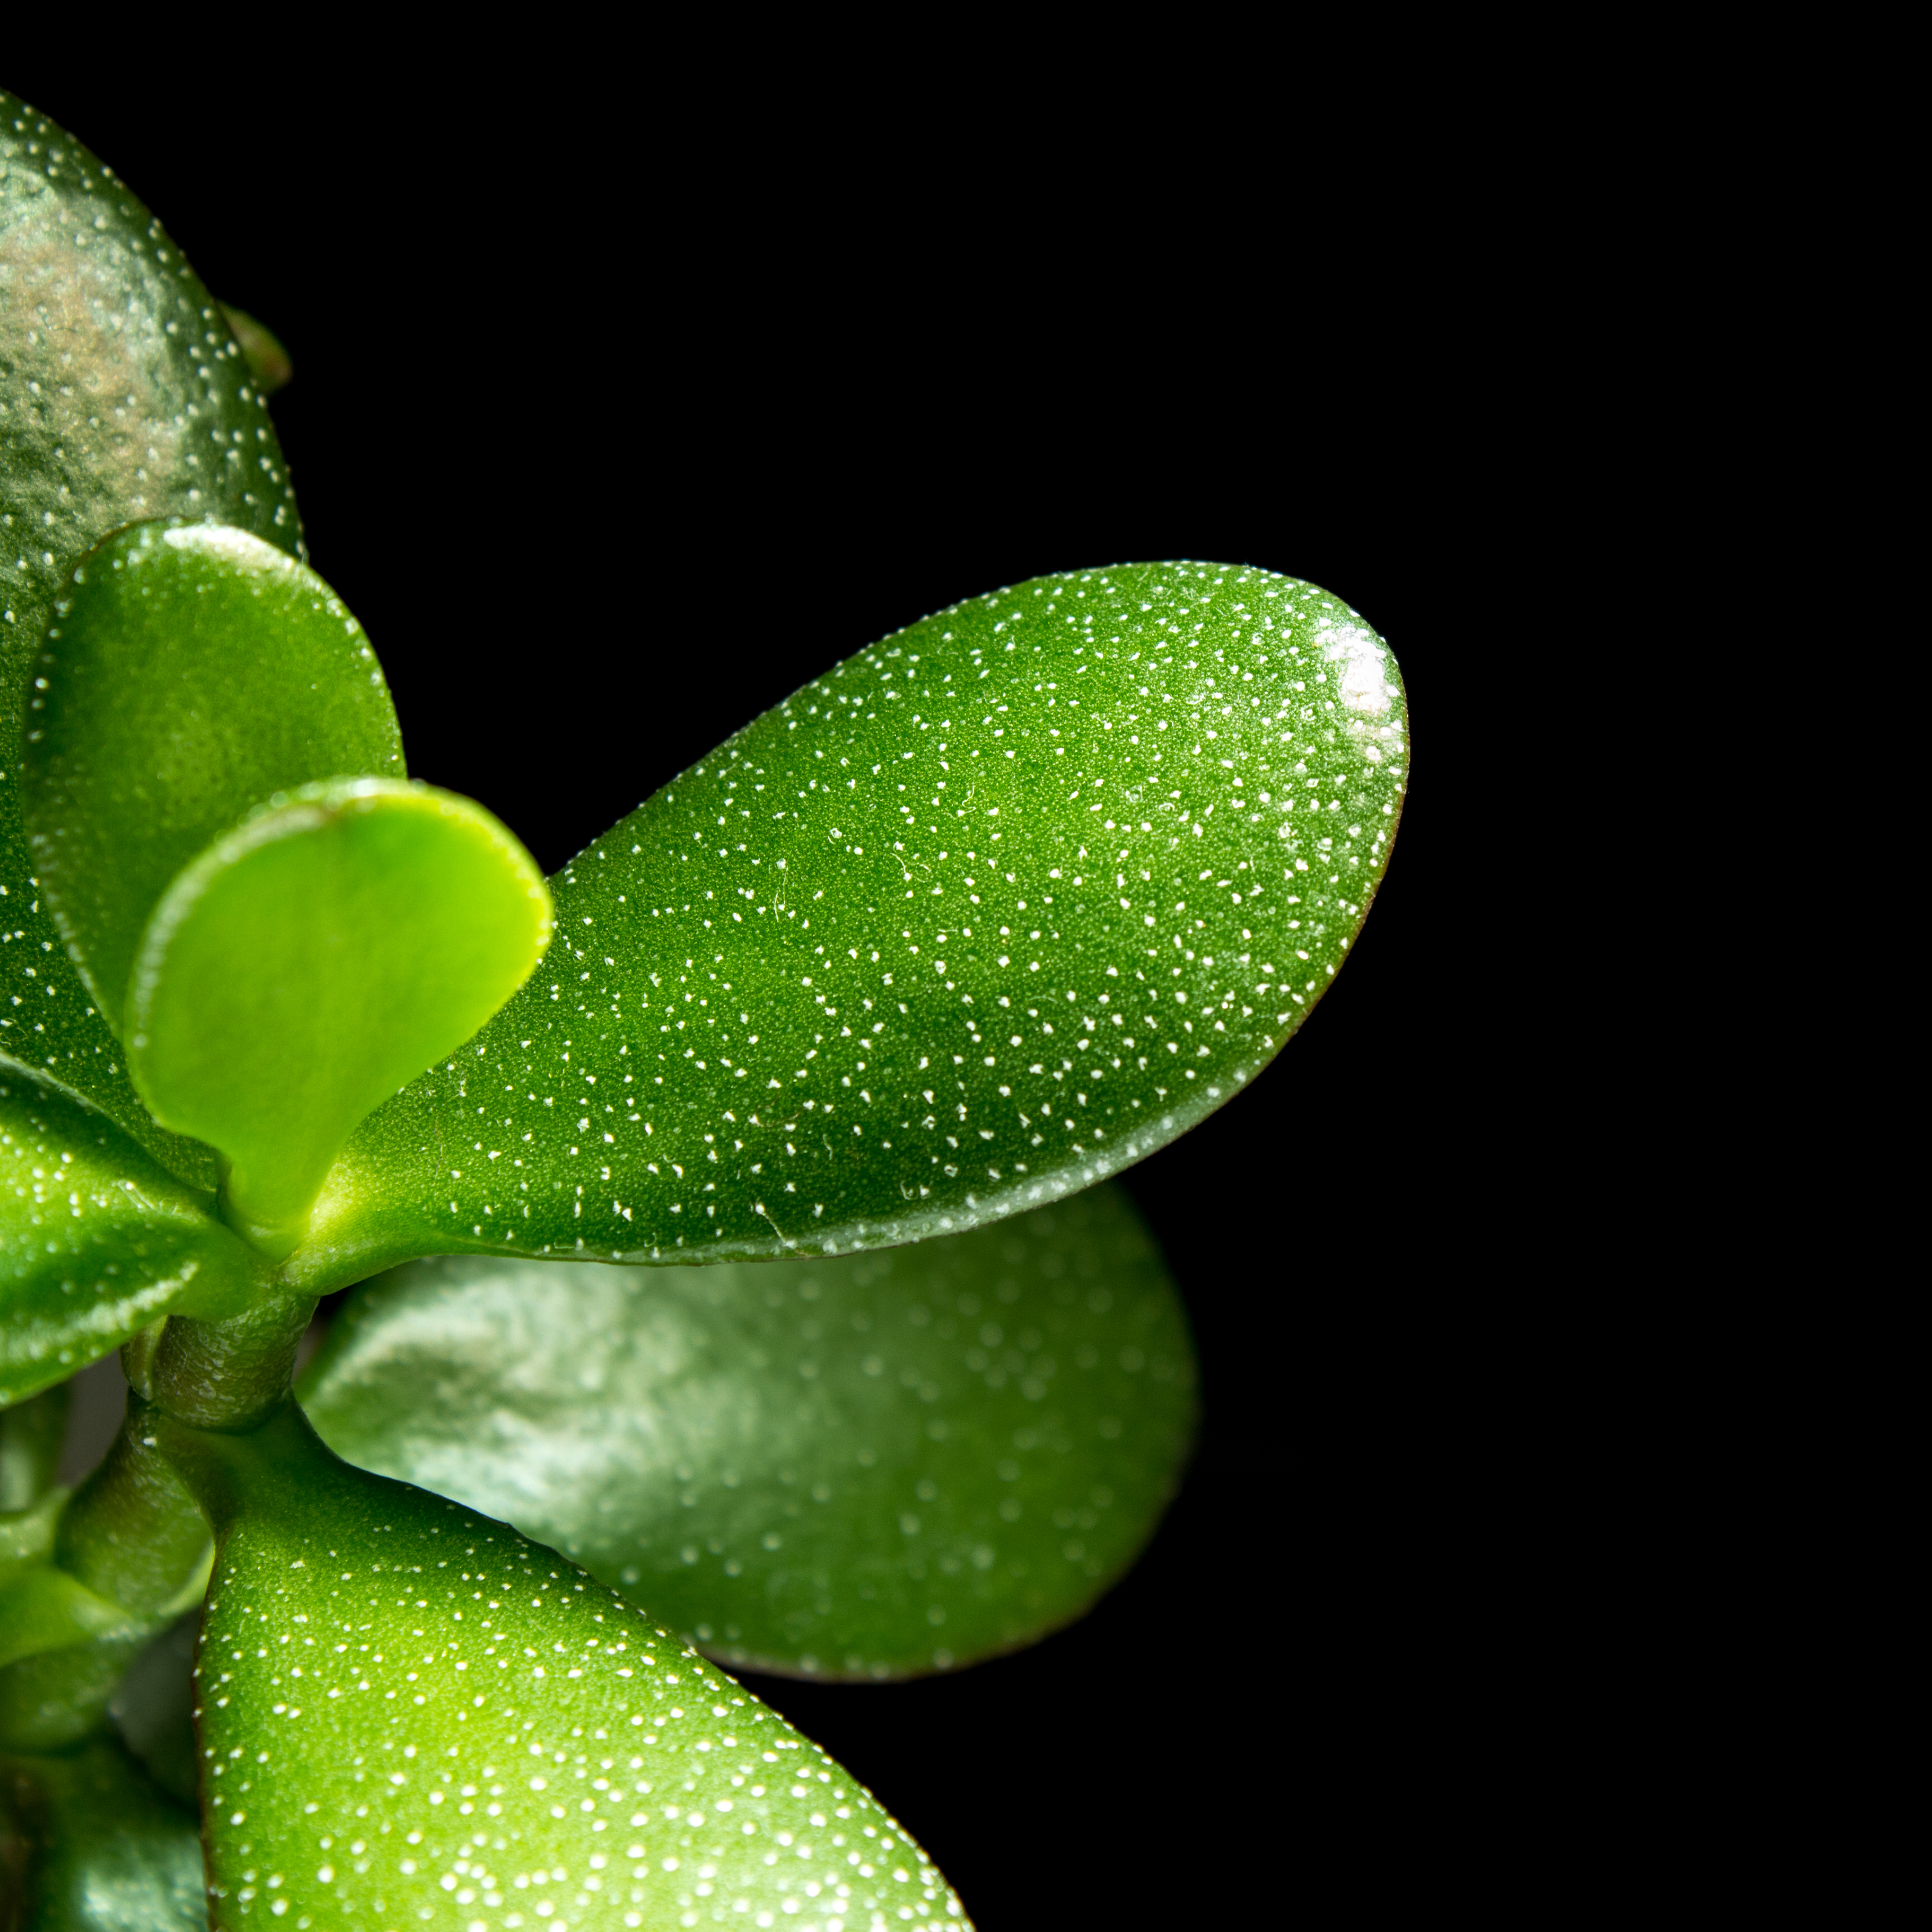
(990, 911)
(127, 397)
(303, 968)
(189, 674)
(101, 1849)
(154, 1709)
(472, 1707)
(96, 1240)
(864, 1467)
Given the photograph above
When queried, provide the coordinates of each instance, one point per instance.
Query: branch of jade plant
(130, 1550)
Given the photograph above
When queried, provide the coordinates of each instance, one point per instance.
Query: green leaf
(990, 911)
(308, 964)
(27, 1534)
(104, 1851)
(262, 350)
(189, 674)
(44, 1609)
(31, 1433)
(865, 1468)
(126, 397)
(96, 1240)
(472, 1706)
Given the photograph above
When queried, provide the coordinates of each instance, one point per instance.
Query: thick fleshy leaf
(100, 1848)
(154, 1709)
(296, 974)
(96, 1240)
(189, 673)
(992, 909)
(127, 397)
(869, 1467)
(412, 1713)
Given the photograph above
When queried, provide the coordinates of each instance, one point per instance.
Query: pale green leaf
(305, 966)
(448, 1662)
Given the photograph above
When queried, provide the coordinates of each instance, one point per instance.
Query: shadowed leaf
(96, 1240)
(866, 1467)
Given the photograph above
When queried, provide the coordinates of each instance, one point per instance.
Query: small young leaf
(97, 1241)
(114, 312)
(988, 912)
(455, 1676)
(189, 674)
(262, 350)
(306, 965)
(104, 1850)
(865, 1468)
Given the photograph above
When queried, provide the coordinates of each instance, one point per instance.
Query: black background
(613, 430)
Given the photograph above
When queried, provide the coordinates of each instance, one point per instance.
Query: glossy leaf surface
(311, 962)
(869, 1467)
(188, 674)
(96, 1240)
(410, 1713)
(101, 1849)
(127, 397)
(991, 910)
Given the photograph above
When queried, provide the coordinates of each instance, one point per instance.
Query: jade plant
(738, 1280)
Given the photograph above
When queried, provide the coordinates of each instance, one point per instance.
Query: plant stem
(225, 1375)
(132, 1534)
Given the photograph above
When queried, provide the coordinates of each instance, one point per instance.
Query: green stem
(132, 1537)
(225, 1375)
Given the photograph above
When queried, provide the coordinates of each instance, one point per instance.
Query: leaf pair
(279, 946)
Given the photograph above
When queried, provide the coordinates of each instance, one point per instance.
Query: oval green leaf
(189, 674)
(866, 1467)
(127, 398)
(475, 1714)
(308, 964)
(99, 1846)
(992, 910)
(96, 1240)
